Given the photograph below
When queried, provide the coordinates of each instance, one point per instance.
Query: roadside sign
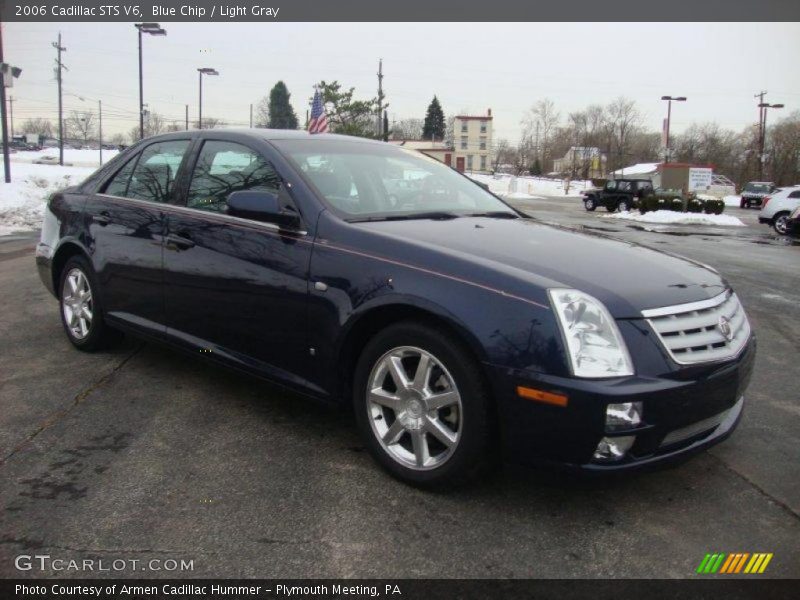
(699, 179)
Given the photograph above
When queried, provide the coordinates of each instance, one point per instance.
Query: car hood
(626, 277)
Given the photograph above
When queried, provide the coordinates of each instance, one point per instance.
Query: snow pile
(669, 217)
(22, 202)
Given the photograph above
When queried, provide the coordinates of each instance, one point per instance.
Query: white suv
(777, 208)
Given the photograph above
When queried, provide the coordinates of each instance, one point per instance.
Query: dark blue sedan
(461, 330)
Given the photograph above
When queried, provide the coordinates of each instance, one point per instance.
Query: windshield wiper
(495, 214)
(435, 215)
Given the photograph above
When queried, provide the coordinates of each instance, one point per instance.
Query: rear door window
(153, 178)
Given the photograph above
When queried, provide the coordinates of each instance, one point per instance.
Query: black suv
(618, 194)
(754, 192)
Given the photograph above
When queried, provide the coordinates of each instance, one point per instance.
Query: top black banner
(401, 10)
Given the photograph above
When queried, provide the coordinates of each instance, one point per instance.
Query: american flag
(319, 120)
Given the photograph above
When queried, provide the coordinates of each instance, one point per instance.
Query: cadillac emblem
(724, 326)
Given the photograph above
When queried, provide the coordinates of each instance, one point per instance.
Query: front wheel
(422, 407)
(81, 313)
(589, 204)
(781, 223)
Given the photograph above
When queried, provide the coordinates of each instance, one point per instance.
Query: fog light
(626, 415)
(611, 449)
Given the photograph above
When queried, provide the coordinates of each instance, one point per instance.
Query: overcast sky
(471, 67)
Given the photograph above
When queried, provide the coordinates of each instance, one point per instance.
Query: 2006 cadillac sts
(460, 329)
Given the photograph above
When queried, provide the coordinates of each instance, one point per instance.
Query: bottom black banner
(405, 589)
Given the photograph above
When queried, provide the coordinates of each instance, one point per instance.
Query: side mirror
(261, 205)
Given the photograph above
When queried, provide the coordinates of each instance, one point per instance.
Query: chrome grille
(695, 333)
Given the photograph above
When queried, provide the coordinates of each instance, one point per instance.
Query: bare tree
(40, 127)
(211, 123)
(154, 124)
(503, 154)
(622, 117)
(539, 126)
(783, 148)
(407, 129)
(80, 125)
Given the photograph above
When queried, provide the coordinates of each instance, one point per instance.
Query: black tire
(473, 453)
(780, 223)
(590, 204)
(744, 203)
(98, 334)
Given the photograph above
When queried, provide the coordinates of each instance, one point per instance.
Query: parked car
(776, 208)
(754, 192)
(459, 329)
(794, 222)
(619, 194)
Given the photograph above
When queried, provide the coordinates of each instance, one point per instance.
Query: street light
(201, 72)
(150, 29)
(762, 140)
(669, 100)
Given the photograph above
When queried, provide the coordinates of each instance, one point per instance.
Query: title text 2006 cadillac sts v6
(461, 330)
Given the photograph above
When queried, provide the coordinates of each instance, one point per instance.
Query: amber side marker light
(540, 396)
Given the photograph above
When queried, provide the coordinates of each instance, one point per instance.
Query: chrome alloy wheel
(76, 304)
(414, 408)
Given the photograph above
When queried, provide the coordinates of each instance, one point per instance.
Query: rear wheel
(81, 313)
(422, 407)
(781, 223)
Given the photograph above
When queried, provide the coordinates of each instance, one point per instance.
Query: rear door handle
(179, 241)
(103, 219)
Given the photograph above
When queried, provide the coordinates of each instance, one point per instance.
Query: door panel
(126, 231)
(235, 287)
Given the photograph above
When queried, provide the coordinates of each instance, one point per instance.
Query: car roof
(264, 134)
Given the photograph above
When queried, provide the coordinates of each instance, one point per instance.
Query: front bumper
(683, 412)
(765, 220)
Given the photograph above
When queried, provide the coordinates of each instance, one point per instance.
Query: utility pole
(380, 98)
(187, 117)
(100, 128)
(6, 158)
(11, 114)
(761, 115)
(59, 67)
(251, 115)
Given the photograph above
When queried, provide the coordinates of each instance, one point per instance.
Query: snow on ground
(77, 158)
(521, 188)
(669, 217)
(22, 201)
(732, 200)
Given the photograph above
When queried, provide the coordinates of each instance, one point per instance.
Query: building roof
(474, 117)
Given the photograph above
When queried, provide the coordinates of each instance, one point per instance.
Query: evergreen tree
(434, 127)
(386, 131)
(281, 113)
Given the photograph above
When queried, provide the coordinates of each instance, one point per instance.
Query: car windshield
(363, 181)
(757, 187)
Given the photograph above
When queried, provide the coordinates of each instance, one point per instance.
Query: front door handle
(180, 242)
(102, 219)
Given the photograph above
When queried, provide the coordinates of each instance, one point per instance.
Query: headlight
(594, 344)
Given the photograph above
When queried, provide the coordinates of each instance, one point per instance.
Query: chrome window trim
(213, 215)
(689, 307)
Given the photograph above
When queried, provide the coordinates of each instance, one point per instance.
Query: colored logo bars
(742, 562)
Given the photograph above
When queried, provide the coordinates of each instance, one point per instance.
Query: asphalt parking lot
(141, 453)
